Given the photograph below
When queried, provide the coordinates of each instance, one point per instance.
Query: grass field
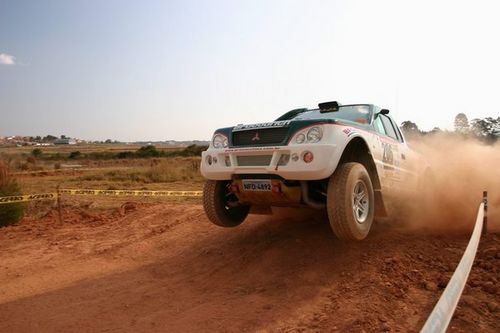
(44, 175)
(84, 148)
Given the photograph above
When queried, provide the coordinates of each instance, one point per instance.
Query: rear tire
(350, 201)
(222, 206)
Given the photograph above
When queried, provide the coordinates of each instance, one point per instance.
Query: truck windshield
(357, 113)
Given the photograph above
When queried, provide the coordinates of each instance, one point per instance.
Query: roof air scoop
(328, 107)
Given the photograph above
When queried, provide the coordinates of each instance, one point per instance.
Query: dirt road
(166, 268)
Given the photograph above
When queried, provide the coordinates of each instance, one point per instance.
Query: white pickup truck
(348, 159)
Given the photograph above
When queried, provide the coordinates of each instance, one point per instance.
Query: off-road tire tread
(337, 212)
(339, 201)
(215, 212)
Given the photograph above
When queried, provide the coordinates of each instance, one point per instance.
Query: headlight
(219, 141)
(300, 138)
(314, 134)
(308, 135)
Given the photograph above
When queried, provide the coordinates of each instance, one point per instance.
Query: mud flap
(380, 210)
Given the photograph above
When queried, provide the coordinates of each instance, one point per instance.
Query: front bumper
(232, 161)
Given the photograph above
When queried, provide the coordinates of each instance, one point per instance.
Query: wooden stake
(485, 219)
(59, 208)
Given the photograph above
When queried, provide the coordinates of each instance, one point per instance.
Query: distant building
(65, 141)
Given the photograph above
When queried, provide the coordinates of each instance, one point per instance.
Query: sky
(161, 70)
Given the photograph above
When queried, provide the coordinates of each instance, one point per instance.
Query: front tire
(222, 206)
(350, 201)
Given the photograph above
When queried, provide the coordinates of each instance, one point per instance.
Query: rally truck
(350, 160)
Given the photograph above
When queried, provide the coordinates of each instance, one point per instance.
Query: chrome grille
(254, 160)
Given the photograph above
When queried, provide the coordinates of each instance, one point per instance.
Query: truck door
(403, 175)
(408, 162)
(392, 156)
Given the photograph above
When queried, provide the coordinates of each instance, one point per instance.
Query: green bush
(74, 155)
(189, 151)
(12, 212)
(125, 154)
(37, 152)
(193, 150)
(147, 151)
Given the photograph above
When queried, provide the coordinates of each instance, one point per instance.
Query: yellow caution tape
(21, 173)
(28, 197)
(137, 193)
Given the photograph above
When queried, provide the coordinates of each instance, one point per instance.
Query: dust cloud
(462, 169)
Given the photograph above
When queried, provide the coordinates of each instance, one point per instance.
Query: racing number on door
(388, 156)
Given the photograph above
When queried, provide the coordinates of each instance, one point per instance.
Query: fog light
(284, 159)
(308, 157)
(209, 160)
(227, 160)
(295, 157)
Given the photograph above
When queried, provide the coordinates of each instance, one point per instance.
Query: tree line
(486, 130)
(143, 152)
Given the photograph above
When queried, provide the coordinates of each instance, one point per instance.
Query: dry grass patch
(12, 212)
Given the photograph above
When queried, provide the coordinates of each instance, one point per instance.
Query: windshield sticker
(361, 120)
(282, 123)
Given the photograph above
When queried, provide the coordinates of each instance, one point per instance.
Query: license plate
(257, 185)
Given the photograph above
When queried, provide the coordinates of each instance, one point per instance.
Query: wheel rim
(360, 202)
(229, 198)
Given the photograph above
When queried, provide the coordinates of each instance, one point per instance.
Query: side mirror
(384, 111)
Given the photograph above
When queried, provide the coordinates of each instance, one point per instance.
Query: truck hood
(291, 125)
